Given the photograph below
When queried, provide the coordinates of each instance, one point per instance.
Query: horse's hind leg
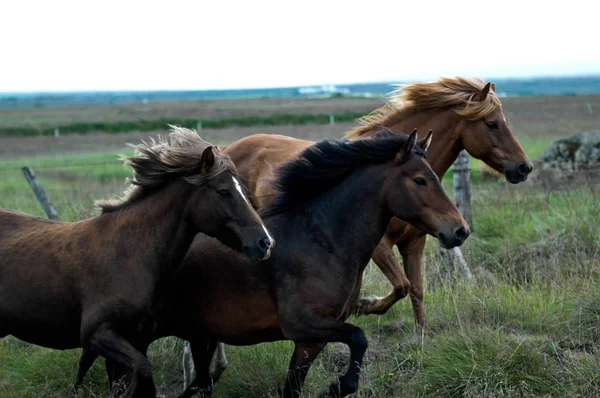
(316, 330)
(202, 352)
(112, 346)
(302, 359)
(86, 360)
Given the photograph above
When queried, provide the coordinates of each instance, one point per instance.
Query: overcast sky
(55, 45)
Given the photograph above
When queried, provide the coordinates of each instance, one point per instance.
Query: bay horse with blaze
(93, 283)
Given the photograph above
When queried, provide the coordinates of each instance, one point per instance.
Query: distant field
(531, 116)
(126, 117)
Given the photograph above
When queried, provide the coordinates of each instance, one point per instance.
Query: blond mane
(457, 93)
(177, 155)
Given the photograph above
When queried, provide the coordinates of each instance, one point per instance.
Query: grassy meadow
(528, 325)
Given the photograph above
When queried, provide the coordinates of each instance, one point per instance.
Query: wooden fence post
(462, 186)
(39, 192)
(462, 198)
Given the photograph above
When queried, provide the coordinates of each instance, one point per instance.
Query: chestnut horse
(463, 113)
(334, 204)
(93, 283)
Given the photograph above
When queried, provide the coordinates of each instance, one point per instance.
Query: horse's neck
(154, 229)
(348, 220)
(445, 146)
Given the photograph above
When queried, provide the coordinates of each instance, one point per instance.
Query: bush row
(161, 123)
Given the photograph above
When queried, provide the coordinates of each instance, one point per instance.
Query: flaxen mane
(456, 92)
(327, 163)
(177, 155)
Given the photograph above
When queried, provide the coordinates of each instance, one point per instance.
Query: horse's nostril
(461, 234)
(263, 244)
(524, 169)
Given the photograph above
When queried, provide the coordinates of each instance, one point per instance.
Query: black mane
(327, 163)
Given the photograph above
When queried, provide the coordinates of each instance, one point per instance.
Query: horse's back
(256, 158)
(13, 223)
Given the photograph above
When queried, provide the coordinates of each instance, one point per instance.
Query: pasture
(528, 326)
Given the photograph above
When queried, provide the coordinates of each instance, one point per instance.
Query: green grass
(528, 326)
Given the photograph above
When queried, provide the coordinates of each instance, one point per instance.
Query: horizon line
(533, 77)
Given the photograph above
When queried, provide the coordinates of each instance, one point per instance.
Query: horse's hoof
(365, 305)
(426, 331)
(325, 394)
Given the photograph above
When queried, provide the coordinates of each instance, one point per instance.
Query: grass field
(528, 326)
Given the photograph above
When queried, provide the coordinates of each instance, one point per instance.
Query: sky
(214, 44)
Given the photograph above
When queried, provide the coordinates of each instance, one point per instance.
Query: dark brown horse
(464, 114)
(335, 203)
(93, 283)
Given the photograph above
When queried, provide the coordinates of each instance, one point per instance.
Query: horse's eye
(223, 193)
(420, 181)
(492, 125)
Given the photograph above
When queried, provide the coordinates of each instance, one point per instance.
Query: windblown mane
(455, 92)
(177, 155)
(329, 162)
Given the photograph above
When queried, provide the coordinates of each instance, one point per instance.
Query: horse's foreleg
(108, 343)
(86, 360)
(311, 329)
(385, 258)
(202, 352)
(189, 373)
(412, 257)
(302, 359)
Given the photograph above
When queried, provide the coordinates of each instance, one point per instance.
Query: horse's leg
(108, 343)
(385, 258)
(119, 377)
(86, 360)
(311, 329)
(412, 256)
(220, 363)
(302, 358)
(202, 352)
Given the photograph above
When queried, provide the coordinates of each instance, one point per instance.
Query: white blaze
(238, 187)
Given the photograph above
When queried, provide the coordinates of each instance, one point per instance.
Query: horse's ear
(425, 142)
(408, 146)
(480, 96)
(208, 159)
(493, 87)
